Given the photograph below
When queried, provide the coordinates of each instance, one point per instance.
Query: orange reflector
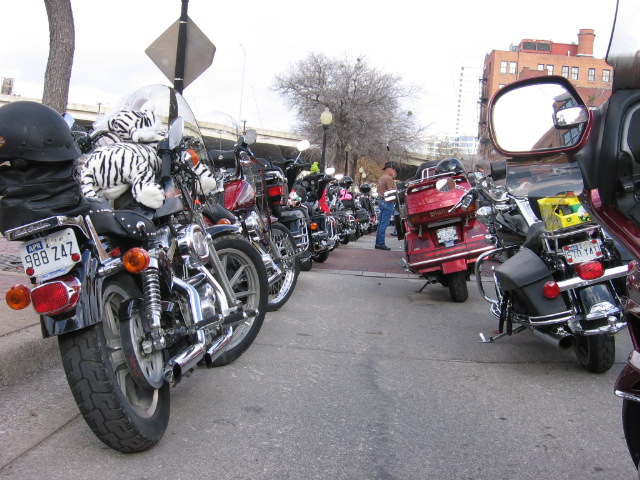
(313, 226)
(223, 221)
(589, 270)
(18, 297)
(56, 297)
(551, 289)
(136, 260)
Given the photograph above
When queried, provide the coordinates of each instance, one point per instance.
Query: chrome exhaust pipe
(183, 362)
(564, 341)
(217, 348)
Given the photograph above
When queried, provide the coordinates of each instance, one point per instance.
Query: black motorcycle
(137, 298)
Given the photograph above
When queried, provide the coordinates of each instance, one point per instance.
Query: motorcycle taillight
(276, 192)
(589, 270)
(56, 297)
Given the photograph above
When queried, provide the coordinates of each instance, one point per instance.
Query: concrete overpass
(87, 114)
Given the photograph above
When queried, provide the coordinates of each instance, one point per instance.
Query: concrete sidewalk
(23, 351)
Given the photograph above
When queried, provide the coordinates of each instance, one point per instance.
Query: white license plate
(583, 251)
(447, 234)
(50, 253)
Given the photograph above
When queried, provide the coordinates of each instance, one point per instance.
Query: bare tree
(61, 50)
(366, 105)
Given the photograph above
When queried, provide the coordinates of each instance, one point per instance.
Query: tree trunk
(61, 49)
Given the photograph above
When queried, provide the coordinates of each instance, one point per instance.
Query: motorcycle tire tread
(97, 397)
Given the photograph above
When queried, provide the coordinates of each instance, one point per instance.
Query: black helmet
(449, 165)
(32, 131)
(365, 188)
(346, 182)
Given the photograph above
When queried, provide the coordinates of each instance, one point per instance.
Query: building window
(541, 66)
(565, 71)
(549, 69)
(503, 66)
(592, 74)
(606, 76)
(513, 67)
(574, 73)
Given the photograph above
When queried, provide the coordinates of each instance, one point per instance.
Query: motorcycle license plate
(583, 251)
(50, 253)
(447, 234)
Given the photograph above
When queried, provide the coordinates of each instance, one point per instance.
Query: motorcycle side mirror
(498, 170)
(538, 116)
(445, 184)
(250, 137)
(175, 132)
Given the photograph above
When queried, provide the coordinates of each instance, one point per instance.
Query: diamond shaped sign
(198, 57)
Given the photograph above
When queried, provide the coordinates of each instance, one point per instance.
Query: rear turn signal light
(18, 297)
(136, 260)
(56, 297)
(313, 226)
(589, 270)
(551, 289)
(223, 221)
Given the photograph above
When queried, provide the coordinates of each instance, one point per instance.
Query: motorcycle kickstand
(492, 339)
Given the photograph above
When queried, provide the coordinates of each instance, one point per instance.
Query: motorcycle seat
(121, 223)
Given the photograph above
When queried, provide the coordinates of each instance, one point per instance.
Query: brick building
(592, 77)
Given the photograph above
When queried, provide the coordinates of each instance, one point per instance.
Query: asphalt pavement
(23, 351)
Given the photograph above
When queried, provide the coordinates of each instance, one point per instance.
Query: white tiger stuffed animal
(110, 170)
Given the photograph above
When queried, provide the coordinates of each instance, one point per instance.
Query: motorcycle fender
(219, 230)
(453, 266)
(88, 310)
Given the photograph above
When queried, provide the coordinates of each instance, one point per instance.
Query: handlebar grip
(166, 158)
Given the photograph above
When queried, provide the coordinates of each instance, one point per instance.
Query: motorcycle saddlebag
(523, 275)
(33, 191)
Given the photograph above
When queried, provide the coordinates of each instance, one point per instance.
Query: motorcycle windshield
(624, 46)
(167, 104)
(540, 180)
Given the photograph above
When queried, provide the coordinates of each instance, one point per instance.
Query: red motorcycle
(442, 237)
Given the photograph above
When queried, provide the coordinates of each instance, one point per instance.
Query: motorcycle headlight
(193, 245)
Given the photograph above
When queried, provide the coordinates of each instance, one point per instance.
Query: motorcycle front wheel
(247, 274)
(121, 413)
(280, 291)
(630, 423)
(596, 353)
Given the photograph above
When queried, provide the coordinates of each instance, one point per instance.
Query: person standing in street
(385, 183)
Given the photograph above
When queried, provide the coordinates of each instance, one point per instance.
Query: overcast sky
(425, 42)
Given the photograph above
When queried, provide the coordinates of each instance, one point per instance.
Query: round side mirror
(445, 184)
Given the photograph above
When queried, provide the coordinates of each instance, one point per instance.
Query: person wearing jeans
(385, 184)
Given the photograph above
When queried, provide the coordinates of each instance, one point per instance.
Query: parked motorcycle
(279, 176)
(137, 299)
(442, 237)
(554, 271)
(309, 190)
(367, 202)
(245, 194)
(604, 143)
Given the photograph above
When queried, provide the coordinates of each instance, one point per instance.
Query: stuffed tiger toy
(128, 159)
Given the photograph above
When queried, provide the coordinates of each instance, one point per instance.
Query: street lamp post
(325, 119)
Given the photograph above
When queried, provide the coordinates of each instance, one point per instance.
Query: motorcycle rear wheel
(121, 413)
(457, 283)
(596, 353)
(248, 276)
(281, 290)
